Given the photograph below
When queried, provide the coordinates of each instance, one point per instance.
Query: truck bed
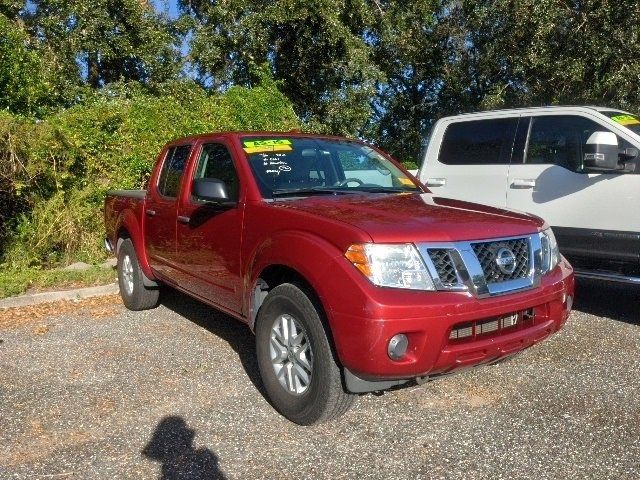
(127, 193)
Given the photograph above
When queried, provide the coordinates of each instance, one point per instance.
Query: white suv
(576, 167)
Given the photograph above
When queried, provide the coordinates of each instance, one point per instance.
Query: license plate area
(468, 331)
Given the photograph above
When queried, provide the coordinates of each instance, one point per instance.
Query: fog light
(398, 346)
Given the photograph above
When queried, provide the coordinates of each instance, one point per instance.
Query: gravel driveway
(91, 390)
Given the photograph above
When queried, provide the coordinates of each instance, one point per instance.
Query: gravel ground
(94, 391)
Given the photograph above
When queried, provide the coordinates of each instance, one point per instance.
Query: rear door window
(478, 142)
(172, 170)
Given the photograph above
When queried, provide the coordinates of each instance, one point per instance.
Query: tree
(105, 41)
(583, 51)
(11, 8)
(24, 84)
(444, 57)
(408, 49)
(316, 50)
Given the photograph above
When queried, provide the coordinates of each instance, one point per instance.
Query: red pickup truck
(353, 277)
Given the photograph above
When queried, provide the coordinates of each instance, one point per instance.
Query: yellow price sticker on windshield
(406, 181)
(626, 120)
(270, 145)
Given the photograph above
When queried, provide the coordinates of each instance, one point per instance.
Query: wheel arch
(270, 277)
(129, 228)
(296, 257)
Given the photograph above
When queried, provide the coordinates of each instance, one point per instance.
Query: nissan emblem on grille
(503, 260)
(506, 261)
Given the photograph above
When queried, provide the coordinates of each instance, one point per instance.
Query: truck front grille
(487, 253)
(480, 328)
(485, 267)
(444, 266)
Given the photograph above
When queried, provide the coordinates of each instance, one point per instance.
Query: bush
(54, 173)
(410, 164)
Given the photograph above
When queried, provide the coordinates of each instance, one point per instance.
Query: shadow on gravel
(172, 446)
(228, 328)
(610, 300)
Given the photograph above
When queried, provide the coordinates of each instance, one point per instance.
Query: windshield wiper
(385, 190)
(294, 192)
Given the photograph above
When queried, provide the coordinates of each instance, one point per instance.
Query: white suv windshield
(289, 165)
(627, 120)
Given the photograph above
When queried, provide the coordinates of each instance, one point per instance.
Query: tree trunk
(93, 70)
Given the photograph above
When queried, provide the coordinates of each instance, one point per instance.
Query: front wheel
(135, 295)
(297, 365)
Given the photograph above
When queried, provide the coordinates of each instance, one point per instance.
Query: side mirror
(210, 190)
(601, 152)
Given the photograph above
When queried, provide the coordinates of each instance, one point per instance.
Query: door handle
(150, 212)
(523, 183)
(436, 182)
(182, 219)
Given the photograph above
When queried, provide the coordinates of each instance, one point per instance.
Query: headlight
(550, 251)
(391, 265)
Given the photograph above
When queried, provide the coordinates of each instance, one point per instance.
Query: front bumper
(427, 319)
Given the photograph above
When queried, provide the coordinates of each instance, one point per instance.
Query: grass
(15, 282)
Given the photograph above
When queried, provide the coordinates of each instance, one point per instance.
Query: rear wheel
(297, 365)
(135, 295)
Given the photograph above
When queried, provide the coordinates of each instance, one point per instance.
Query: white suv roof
(555, 109)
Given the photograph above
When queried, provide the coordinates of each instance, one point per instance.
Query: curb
(47, 297)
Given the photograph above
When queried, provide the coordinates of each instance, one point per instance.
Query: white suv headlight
(391, 265)
(550, 251)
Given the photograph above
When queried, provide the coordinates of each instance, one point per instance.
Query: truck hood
(417, 217)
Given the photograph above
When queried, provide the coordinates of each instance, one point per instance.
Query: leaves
(316, 51)
(110, 81)
(69, 161)
(104, 41)
(23, 79)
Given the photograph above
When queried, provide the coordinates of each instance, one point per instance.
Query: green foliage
(411, 49)
(410, 165)
(106, 77)
(316, 50)
(17, 281)
(23, 79)
(444, 57)
(572, 52)
(112, 40)
(63, 166)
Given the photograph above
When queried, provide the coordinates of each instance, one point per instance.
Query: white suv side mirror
(601, 152)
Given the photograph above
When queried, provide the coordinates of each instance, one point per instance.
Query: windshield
(287, 165)
(632, 122)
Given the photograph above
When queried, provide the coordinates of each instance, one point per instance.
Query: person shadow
(172, 446)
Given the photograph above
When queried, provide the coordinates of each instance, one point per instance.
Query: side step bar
(612, 277)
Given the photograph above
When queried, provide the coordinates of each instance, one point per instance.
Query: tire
(306, 401)
(135, 295)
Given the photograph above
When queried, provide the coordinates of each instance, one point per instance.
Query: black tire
(324, 398)
(135, 295)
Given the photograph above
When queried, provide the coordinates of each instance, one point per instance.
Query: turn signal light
(356, 255)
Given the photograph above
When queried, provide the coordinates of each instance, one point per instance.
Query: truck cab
(576, 167)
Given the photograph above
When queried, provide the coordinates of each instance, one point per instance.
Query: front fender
(310, 256)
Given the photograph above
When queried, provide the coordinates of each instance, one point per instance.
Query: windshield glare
(288, 164)
(627, 120)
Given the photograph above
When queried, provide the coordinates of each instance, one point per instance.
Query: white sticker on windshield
(275, 163)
